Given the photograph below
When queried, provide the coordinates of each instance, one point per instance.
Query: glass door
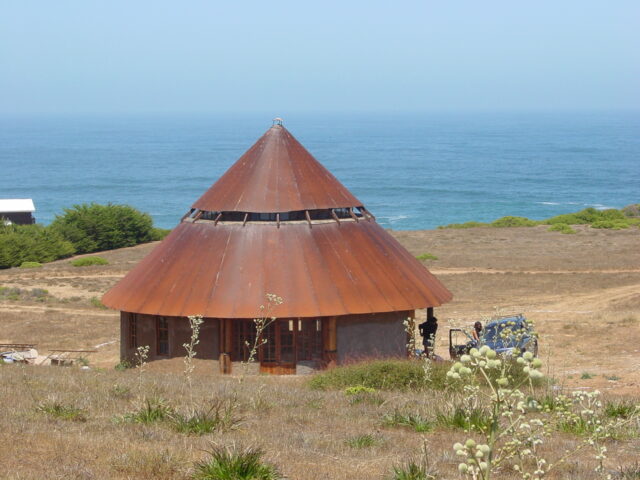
(278, 354)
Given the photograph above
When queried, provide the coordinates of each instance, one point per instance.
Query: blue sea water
(413, 171)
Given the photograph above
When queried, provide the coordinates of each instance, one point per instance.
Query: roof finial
(277, 122)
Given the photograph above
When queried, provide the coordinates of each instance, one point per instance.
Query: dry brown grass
(582, 290)
(303, 432)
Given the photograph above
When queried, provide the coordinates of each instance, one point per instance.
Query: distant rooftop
(16, 205)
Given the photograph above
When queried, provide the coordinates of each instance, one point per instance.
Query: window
(162, 331)
(309, 345)
(244, 331)
(133, 330)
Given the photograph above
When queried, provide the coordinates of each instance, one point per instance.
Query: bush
(513, 222)
(234, 464)
(159, 233)
(632, 210)
(611, 224)
(153, 410)
(30, 265)
(414, 421)
(413, 471)
(62, 411)
(378, 374)
(123, 365)
(611, 218)
(586, 217)
(464, 225)
(31, 243)
(621, 409)
(362, 441)
(120, 391)
(96, 302)
(15, 293)
(87, 261)
(360, 394)
(219, 416)
(426, 256)
(92, 228)
(562, 228)
(476, 419)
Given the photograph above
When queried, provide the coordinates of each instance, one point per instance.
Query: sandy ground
(582, 291)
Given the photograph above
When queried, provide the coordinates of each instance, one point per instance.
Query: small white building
(17, 211)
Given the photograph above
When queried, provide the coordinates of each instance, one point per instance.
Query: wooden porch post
(331, 342)
(226, 344)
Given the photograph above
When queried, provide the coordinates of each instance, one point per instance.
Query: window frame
(162, 330)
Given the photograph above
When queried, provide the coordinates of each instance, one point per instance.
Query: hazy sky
(278, 56)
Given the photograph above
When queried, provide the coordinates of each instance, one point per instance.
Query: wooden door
(278, 354)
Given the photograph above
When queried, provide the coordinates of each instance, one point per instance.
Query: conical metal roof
(327, 257)
(277, 174)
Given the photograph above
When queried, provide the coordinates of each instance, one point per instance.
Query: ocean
(413, 171)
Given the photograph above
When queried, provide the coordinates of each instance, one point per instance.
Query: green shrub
(87, 261)
(153, 410)
(562, 228)
(219, 416)
(93, 227)
(426, 256)
(413, 470)
(123, 365)
(577, 426)
(586, 217)
(611, 224)
(362, 441)
(552, 403)
(360, 394)
(632, 210)
(464, 225)
(64, 412)
(31, 243)
(15, 293)
(621, 409)
(30, 265)
(513, 222)
(120, 391)
(611, 218)
(159, 233)
(96, 302)
(475, 419)
(378, 374)
(413, 421)
(358, 389)
(235, 464)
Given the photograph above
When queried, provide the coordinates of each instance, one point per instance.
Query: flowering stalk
(518, 423)
(261, 323)
(141, 355)
(194, 322)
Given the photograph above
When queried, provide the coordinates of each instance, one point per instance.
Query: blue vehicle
(511, 335)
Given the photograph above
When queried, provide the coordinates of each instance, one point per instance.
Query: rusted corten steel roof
(277, 174)
(319, 267)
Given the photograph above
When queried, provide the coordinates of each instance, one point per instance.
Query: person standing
(428, 331)
(477, 332)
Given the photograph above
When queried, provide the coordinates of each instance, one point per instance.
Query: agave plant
(227, 463)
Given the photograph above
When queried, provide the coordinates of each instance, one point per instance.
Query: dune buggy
(511, 335)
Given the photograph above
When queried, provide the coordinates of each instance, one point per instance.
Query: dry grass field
(582, 291)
